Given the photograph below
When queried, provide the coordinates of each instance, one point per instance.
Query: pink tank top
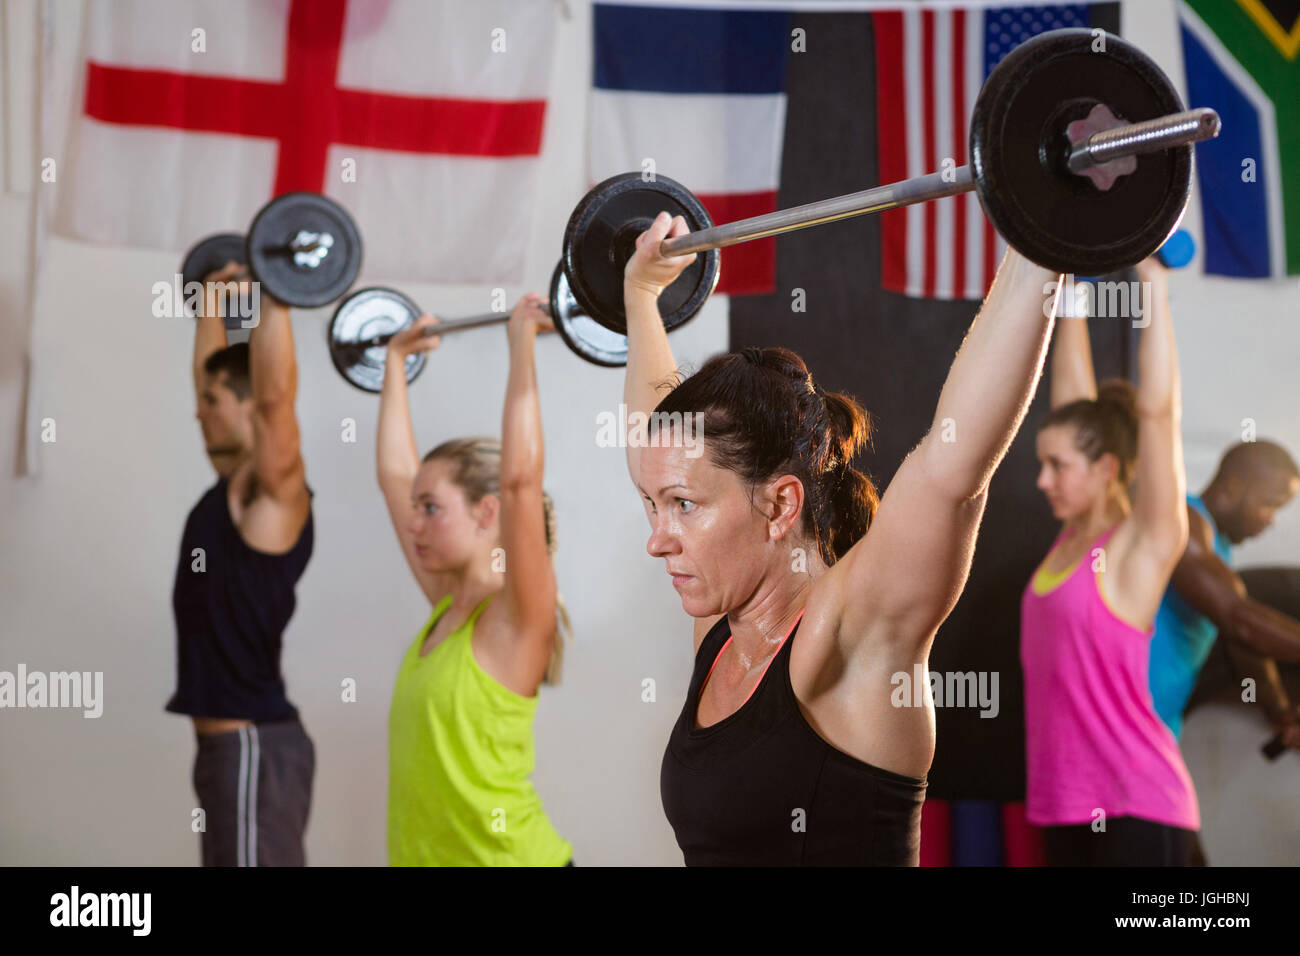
(1093, 739)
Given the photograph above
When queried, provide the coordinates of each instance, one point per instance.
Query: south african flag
(1241, 59)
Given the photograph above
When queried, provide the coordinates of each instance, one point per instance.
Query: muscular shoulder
(268, 524)
(1200, 536)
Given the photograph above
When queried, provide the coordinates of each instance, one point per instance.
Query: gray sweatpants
(254, 785)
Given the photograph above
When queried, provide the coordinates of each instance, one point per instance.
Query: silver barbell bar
(1130, 139)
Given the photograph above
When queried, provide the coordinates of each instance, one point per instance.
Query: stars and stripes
(930, 65)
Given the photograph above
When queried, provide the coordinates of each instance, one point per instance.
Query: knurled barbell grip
(1164, 132)
(1145, 137)
(877, 199)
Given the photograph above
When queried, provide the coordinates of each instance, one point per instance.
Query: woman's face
(444, 527)
(1071, 483)
(716, 543)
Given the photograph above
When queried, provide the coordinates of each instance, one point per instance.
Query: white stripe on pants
(246, 798)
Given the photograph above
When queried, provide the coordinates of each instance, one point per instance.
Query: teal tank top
(1182, 641)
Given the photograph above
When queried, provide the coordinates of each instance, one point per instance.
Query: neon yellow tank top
(460, 751)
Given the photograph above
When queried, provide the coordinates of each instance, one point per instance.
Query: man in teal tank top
(1183, 635)
(1206, 598)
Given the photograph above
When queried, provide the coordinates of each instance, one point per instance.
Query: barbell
(366, 321)
(1055, 137)
(303, 248)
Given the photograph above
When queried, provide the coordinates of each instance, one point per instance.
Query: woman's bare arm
(397, 459)
(1072, 376)
(529, 577)
(1156, 532)
(649, 357)
(903, 578)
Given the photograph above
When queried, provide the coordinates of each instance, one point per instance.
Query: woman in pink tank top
(1104, 774)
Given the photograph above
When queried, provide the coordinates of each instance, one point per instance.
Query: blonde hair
(476, 470)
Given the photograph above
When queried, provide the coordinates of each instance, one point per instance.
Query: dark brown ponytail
(852, 495)
(1105, 424)
(763, 416)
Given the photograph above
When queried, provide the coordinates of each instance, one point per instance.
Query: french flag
(700, 94)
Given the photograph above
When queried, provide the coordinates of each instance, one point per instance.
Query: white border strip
(914, 100)
(975, 284)
(945, 237)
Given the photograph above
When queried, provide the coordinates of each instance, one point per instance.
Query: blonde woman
(477, 531)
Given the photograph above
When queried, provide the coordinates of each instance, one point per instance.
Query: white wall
(88, 547)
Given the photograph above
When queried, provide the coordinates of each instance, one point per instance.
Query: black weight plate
(296, 282)
(208, 255)
(585, 336)
(1019, 148)
(360, 317)
(601, 236)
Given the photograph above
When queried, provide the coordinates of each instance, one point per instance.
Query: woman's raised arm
(529, 577)
(649, 358)
(1072, 376)
(397, 459)
(1158, 522)
(903, 578)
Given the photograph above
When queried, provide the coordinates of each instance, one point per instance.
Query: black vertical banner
(893, 353)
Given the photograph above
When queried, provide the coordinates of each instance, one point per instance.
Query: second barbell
(367, 320)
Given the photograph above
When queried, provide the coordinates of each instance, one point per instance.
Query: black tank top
(231, 613)
(733, 792)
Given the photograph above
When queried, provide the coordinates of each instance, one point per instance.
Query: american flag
(930, 65)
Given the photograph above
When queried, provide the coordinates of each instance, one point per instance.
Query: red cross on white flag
(422, 117)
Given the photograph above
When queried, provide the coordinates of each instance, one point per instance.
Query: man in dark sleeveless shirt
(244, 547)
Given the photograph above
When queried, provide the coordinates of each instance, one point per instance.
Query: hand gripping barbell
(367, 320)
(302, 247)
(1054, 140)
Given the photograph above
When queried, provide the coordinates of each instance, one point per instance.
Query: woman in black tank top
(795, 746)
